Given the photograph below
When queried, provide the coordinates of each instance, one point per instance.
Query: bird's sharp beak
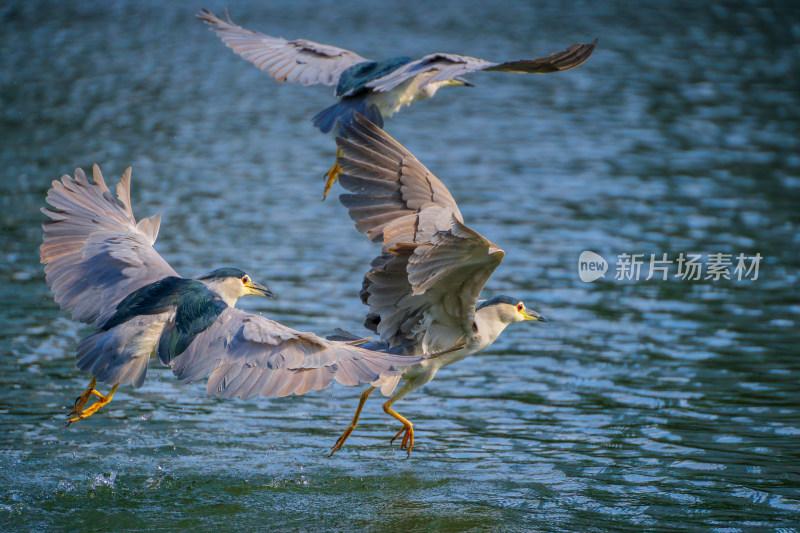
(458, 80)
(532, 315)
(259, 289)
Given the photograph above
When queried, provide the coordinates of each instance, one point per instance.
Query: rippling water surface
(641, 405)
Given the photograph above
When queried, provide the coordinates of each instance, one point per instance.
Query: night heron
(102, 267)
(423, 289)
(375, 89)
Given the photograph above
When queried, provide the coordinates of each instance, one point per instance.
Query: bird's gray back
(153, 298)
(195, 307)
(355, 78)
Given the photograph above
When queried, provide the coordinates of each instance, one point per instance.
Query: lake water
(640, 405)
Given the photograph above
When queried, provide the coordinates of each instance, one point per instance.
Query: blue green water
(641, 405)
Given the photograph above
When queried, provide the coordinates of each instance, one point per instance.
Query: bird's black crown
(499, 300)
(222, 273)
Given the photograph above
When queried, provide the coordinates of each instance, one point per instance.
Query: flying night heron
(375, 89)
(101, 266)
(423, 289)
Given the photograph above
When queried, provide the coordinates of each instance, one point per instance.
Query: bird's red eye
(245, 280)
(520, 307)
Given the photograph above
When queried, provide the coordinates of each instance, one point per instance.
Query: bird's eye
(245, 280)
(520, 307)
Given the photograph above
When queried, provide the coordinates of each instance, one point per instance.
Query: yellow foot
(340, 442)
(78, 412)
(408, 438)
(333, 175)
(81, 400)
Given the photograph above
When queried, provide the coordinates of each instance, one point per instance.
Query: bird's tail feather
(343, 112)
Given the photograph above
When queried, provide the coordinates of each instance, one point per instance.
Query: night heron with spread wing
(423, 289)
(375, 89)
(101, 266)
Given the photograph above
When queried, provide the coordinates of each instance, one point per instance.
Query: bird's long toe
(80, 401)
(402, 429)
(333, 174)
(79, 412)
(408, 438)
(341, 440)
(330, 178)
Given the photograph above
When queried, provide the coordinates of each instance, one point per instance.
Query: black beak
(463, 82)
(262, 289)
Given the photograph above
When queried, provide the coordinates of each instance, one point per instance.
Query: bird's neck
(404, 94)
(488, 326)
(225, 290)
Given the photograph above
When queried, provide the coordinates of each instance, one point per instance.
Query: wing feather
(432, 267)
(297, 61)
(372, 161)
(459, 258)
(95, 251)
(441, 67)
(556, 62)
(249, 354)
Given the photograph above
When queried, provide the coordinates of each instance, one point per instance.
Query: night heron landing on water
(102, 267)
(423, 289)
(375, 89)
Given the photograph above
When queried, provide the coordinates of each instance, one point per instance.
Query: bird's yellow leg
(333, 174)
(354, 423)
(79, 412)
(81, 400)
(408, 438)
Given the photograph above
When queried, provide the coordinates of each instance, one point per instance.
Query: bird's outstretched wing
(395, 198)
(297, 61)
(424, 286)
(442, 67)
(249, 354)
(96, 253)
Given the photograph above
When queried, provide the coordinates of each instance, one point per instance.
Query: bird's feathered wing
(432, 267)
(396, 199)
(249, 354)
(297, 61)
(95, 251)
(442, 67)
